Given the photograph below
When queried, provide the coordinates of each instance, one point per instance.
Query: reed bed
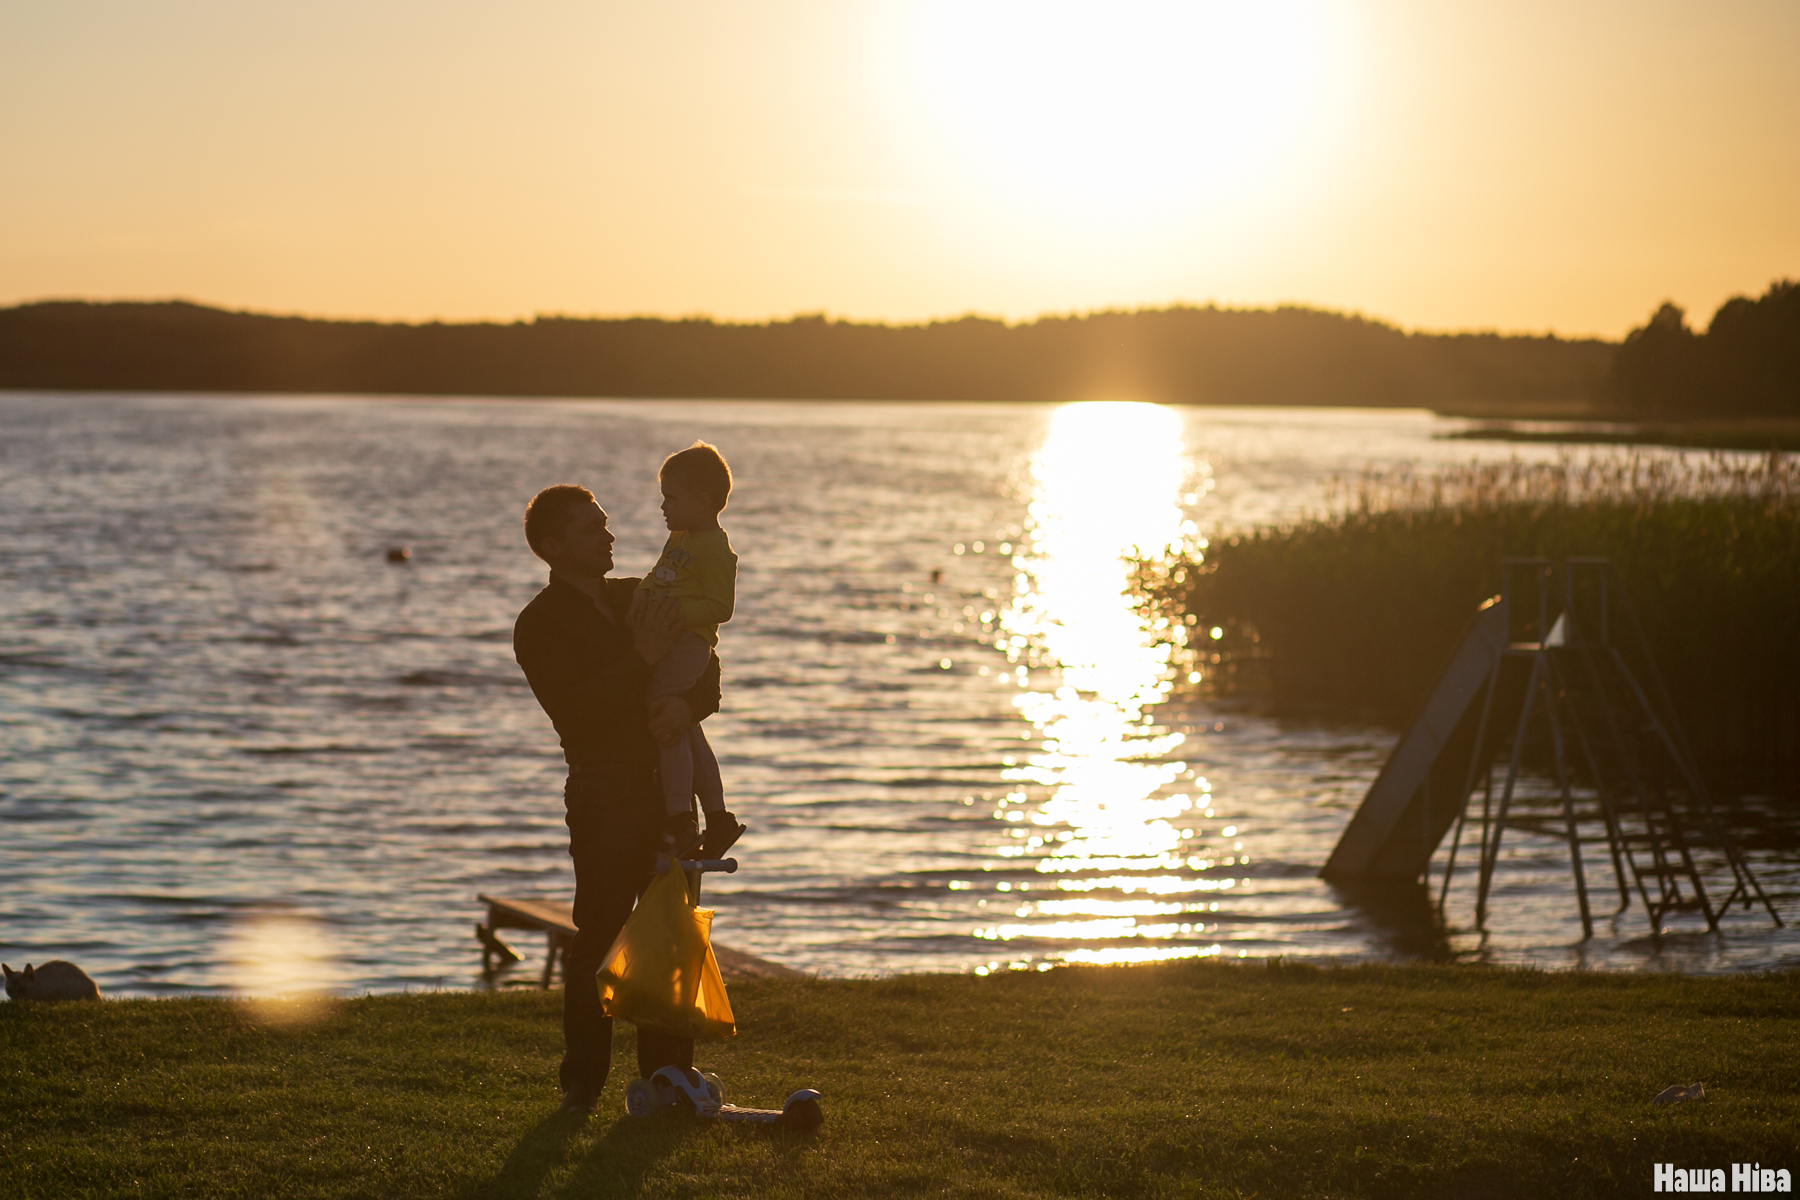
(1353, 611)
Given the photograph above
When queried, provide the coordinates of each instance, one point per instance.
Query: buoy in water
(398, 554)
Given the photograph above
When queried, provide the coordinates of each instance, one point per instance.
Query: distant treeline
(1746, 364)
(1182, 355)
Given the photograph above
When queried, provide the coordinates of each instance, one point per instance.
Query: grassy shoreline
(1748, 434)
(1191, 1079)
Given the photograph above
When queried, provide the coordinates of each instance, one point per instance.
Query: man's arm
(568, 694)
(704, 697)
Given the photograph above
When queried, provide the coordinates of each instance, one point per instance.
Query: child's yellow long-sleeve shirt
(700, 571)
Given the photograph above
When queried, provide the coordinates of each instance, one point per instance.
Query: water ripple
(243, 751)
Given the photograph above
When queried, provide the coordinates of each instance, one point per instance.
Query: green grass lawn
(1182, 1080)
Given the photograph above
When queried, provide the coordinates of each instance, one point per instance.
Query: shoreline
(1767, 434)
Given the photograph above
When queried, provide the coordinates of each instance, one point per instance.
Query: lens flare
(286, 966)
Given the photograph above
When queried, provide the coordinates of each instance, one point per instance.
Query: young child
(698, 568)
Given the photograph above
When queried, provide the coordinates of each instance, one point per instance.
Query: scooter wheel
(803, 1115)
(639, 1100)
(714, 1087)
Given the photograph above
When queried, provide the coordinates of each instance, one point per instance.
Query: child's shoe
(681, 833)
(722, 833)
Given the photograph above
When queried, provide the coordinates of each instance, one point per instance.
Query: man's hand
(655, 624)
(670, 719)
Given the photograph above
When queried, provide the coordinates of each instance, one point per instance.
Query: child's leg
(680, 666)
(705, 772)
(673, 674)
(689, 757)
(678, 775)
(722, 828)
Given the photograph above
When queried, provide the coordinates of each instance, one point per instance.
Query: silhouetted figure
(587, 645)
(698, 571)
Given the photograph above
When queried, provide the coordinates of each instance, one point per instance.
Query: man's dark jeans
(614, 820)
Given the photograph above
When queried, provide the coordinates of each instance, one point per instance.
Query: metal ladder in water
(1618, 756)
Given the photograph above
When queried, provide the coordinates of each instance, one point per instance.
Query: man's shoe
(722, 833)
(578, 1100)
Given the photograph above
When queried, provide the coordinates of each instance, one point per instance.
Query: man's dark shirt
(590, 680)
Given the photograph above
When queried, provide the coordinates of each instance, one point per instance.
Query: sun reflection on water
(1097, 804)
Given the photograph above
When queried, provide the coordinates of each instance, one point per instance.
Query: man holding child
(588, 645)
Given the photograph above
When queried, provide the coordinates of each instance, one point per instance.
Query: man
(586, 644)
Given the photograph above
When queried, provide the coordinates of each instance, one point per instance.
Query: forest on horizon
(1746, 363)
(1188, 355)
(1178, 355)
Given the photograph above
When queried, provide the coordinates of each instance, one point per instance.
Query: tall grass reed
(1353, 612)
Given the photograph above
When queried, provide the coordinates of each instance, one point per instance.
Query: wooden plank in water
(543, 914)
(1402, 819)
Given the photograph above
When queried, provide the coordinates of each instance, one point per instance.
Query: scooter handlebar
(702, 865)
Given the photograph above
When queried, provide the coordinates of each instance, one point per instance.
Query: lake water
(242, 753)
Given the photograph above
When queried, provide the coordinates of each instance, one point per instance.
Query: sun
(1127, 109)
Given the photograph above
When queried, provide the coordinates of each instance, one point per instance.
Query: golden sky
(1519, 165)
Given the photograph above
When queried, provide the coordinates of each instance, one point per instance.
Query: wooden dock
(555, 920)
(1553, 677)
(1421, 789)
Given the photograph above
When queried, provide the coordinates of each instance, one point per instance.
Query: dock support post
(1568, 807)
(551, 944)
(1468, 787)
(1491, 844)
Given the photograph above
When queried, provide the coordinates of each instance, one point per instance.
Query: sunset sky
(1522, 166)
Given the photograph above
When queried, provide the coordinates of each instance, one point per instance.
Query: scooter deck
(734, 1112)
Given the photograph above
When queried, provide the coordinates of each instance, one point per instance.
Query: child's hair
(547, 515)
(702, 468)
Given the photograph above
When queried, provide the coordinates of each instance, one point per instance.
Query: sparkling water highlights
(243, 751)
(1107, 482)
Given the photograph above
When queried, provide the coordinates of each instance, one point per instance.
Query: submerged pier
(1552, 679)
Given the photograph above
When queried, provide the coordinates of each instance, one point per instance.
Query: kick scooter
(683, 1089)
(677, 1089)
